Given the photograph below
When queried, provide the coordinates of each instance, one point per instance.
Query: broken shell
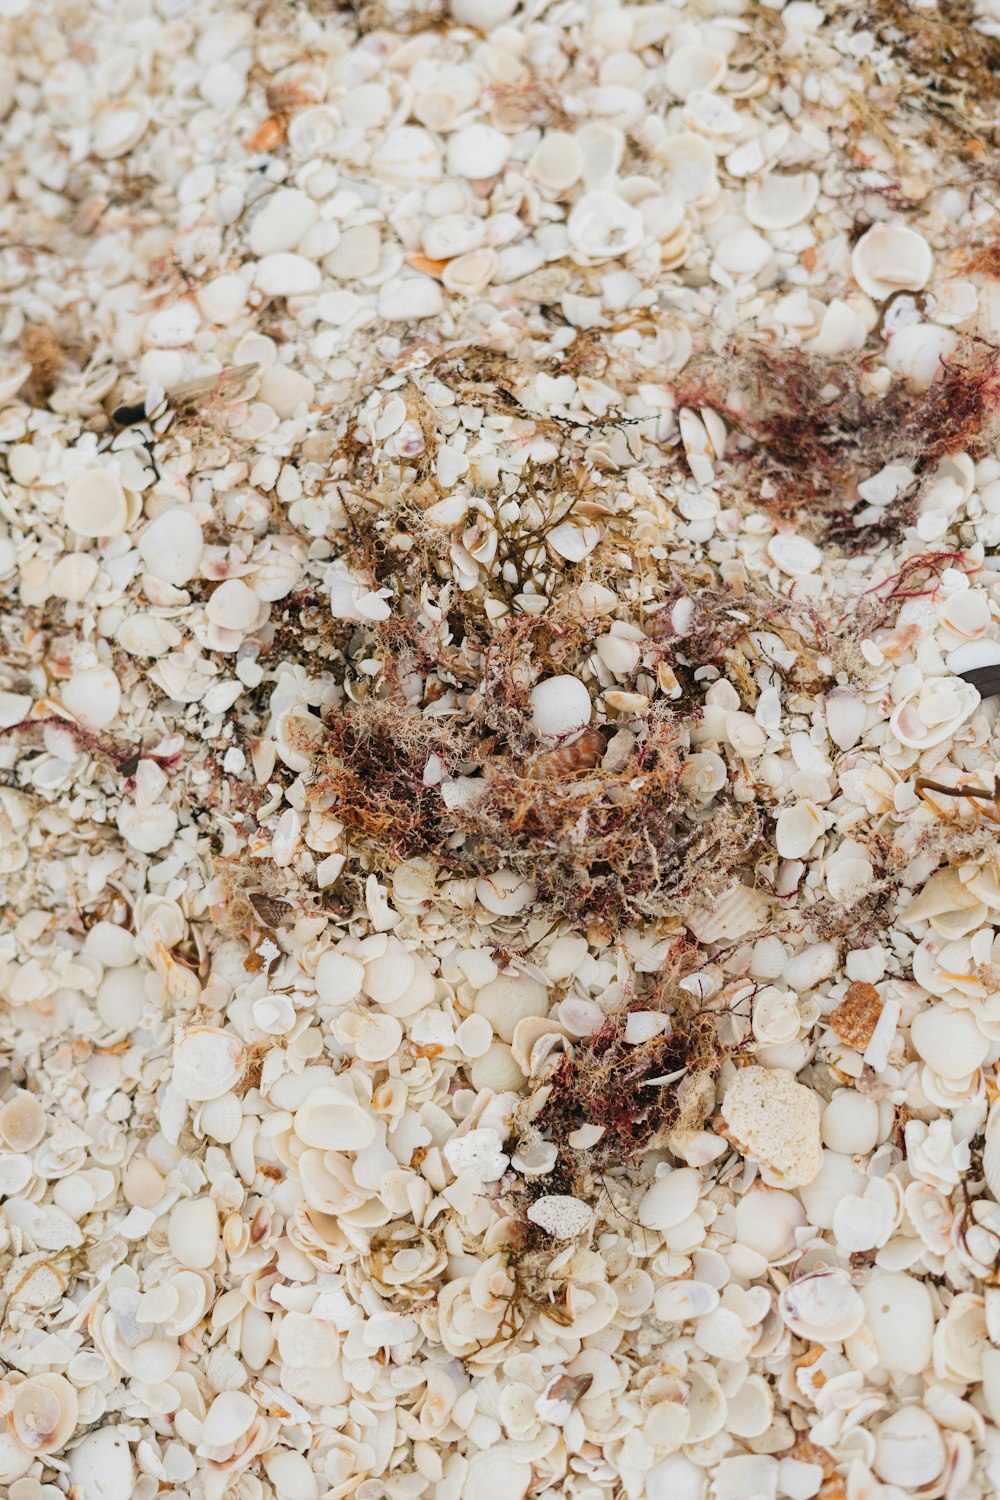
(44, 1413)
(96, 504)
(331, 1120)
(781, 199)
(822, 1307)
(889, 258)
(603, 226)
(207, 1063)
(776, 1121)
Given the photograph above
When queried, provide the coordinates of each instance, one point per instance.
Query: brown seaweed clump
(811, 428)
(616, 841)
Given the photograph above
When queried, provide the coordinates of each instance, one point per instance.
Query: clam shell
(670, 1200)
(889, 258)
(44, 1413)
(822, 1307)
(207, 1062)
(900, 1317)
(949, 1041)
(909, 1449)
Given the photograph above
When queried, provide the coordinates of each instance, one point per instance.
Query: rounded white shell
(889, 258)
(822, 1306)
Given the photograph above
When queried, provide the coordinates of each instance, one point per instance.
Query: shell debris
(499, 986)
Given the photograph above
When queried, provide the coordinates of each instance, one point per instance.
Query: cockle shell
(949, 1041)
(889, 258)
(44, 1413)
(822, 1307)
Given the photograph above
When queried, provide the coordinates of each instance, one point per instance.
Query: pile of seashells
(378, 389)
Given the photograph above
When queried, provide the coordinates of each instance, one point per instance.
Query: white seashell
(560, 706)
(221, 1118)
(44, 1413)
(207, 1063)
(22, 1122)
(931, 1214)
(287, 275)
(193, 1232)
(909, 1449)
(822, 1307)
(504, 893)
(973, 654)
(339, 978)
(330, 1120)
(496, 1069)
(781, 199)
(389, 977)
(889, 258)
(691, 172)
(284, 220)
(602, 226)
(766, 1221)
(508, 999)
(495, 1473)
(917, 353)
(850, 1123)
(119, 127)
(407, 157)
(233, 606)
(96, 504)
(797, 828)
(949, 1041)
(561, 1216)
(794, 555)
(469, 275)
(101, 1467)
(230, 1415)
(557, 161)
(671, 1199)
(93, 697)
(74, 576)
(477, 152)
(679, 1301)
(846, 716)
(966, 613)
(899, 1315)
(693, 69)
